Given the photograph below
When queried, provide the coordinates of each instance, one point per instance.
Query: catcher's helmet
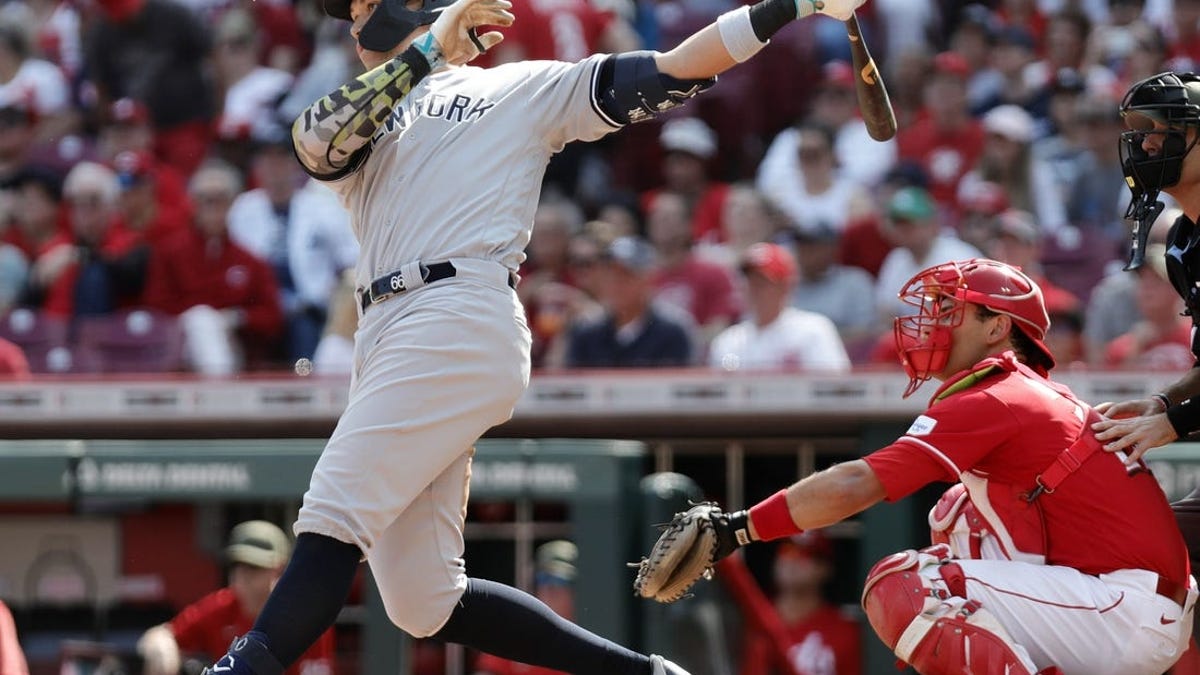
(1167, 104)
(941, 294)
(391, 22)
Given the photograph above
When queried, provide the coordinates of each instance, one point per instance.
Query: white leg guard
(927, 627)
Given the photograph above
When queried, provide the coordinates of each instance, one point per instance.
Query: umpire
(1162, 121)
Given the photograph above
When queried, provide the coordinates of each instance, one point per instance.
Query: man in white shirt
(777, 336)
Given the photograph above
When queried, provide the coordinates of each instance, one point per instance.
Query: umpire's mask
(391, 22)
(1167, 104)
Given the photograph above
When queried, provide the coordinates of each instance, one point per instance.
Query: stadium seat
(136, 341)
(43, 338)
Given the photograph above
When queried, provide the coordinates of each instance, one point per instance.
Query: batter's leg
(1187, 514)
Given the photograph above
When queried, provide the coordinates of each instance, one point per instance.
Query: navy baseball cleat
(246, 656)
(664, 667)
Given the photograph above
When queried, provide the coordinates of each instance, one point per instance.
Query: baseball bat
(873, 98)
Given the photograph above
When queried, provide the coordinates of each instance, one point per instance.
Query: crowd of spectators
(147, 178)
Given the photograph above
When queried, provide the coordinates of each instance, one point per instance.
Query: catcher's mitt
(687, 549)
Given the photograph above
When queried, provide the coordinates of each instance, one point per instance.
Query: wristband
(737, 34)
(431, 50)
(772, 519)
(1162, 398)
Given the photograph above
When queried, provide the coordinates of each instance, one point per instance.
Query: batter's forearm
(732, 39)
(330, 131)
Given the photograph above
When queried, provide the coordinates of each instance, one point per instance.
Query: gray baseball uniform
(453, 175)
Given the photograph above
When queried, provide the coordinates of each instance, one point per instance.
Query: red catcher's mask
(941, 295)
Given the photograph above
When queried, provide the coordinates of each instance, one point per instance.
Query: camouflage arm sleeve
(332, 136)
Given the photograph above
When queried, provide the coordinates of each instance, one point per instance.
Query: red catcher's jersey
(209, 625)
(1009, 428)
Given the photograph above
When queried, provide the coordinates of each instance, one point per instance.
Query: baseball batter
(440, 167)
(1049, 555)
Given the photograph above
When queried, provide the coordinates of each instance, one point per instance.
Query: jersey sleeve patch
(921, 426)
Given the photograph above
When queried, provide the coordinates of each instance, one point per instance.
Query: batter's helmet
(1167, 104)
(941, 294)
(391, 22)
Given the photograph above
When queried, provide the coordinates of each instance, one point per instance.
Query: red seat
(134, 341)
(43, 338)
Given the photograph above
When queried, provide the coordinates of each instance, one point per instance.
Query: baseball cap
(556, 562)
(911, 203)
(128, 111)
(773, 261)
(837, 74)
(983, 196)
(952, 63)
(1019, 225)
(258, 543)
(690, 135)
(633, 253)
(1011, 122)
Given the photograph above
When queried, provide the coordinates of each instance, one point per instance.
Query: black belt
(392, 284)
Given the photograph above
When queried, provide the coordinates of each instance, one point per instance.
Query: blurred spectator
(14, 367)
(866, 241)
(833, 290)
(1007, 160)
(300, 228)
(1112, 307)
(1100, 196)
(563, 30)
(1065, 45)
(248, 91)
(1112, 43)
(96, 267)
(548, 287)
(1014, 51)
(1016, 240)
(225, 296)
(154, 51)
(553, 584)
(1183, 35)
(126, 129)
(257, 554)
(913, 224)
(749, 218)
(824, 640)
(858, 158)
(141, 210)
(334, 354)
(334, 61)
(35, 193)
(12, 659)
(1062, 147)
(1027, 14)
(14, 270)
(907, 74)
(979, 202)
(907, 24)
(1065, 337)
(56, 34)
(947, 141)
(1148, 58)
(16, 139)
(699, 289)
(33, 83)
(974, 39)
(688, 145)
(777, 336)
(813, 194)
(1161, 339)
(631, 334)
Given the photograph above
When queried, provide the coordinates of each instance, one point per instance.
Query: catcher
(1048, 555)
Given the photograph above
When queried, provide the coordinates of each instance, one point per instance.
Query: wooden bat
(868, 84)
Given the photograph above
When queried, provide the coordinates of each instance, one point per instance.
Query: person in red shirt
(553, 584)
(824, 640)
(257, 554)
(1050, 555)
(225, 296)
(946, 141)
(688, 146)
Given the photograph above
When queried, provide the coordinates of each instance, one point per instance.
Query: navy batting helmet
(391, 22)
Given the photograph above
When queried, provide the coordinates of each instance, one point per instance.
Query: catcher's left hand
(687, 549)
